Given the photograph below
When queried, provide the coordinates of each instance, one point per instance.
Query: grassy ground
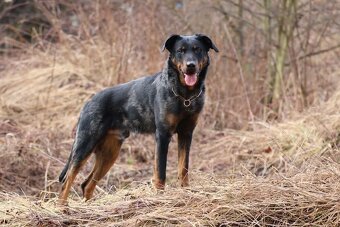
(277, 174)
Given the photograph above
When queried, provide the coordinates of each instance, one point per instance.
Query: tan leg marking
(71, 175)
(182, 167)
(156, 182)
(106, 155)
(184, 148)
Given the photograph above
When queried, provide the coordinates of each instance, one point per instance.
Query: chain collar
(187, 102)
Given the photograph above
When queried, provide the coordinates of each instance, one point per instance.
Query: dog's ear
(207, 41)
(169, 43)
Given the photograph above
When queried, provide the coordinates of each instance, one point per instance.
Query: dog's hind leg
(85, 142)
(71, 175)
(82, 149)
(106, 154)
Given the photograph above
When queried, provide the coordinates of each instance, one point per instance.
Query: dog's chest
(183, 107)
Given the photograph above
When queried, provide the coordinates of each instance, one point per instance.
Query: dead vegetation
(282, 173)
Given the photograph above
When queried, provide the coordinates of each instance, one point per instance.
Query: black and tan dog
(166, 103)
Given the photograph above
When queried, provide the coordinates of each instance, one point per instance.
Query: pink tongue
(190, 80)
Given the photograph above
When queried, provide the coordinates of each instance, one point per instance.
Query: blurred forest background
(276, 56)
(271, 114)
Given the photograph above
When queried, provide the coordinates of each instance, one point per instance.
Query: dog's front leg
(184, 142)
(162, 139)
(184, 131)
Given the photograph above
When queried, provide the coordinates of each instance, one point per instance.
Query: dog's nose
(191, 64)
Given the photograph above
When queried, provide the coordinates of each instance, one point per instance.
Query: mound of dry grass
(310, 198)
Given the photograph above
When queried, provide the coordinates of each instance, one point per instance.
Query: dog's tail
(62, 176)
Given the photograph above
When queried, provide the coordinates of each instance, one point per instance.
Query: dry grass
(303, 199)
(277, 174)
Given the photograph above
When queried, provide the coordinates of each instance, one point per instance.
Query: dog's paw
(185, 184)
(157, 184)
(184, 181)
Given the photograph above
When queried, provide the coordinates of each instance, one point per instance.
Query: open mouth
(190, 79)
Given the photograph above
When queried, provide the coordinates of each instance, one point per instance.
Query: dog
(166, 103)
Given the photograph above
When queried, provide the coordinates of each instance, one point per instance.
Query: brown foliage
(270, 173)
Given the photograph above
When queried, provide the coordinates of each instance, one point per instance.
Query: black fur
(144, 105)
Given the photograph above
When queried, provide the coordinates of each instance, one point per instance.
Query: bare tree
(285, 30)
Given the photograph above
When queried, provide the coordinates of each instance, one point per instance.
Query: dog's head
(189, 54)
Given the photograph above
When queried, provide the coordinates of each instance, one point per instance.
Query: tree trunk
(240, 27)
(267, 27)
(285, 31)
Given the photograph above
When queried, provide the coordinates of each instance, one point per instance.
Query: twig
(241, 73)
(314, 53)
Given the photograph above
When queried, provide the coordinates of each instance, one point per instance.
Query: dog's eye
(197, 49)
(181, 50)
